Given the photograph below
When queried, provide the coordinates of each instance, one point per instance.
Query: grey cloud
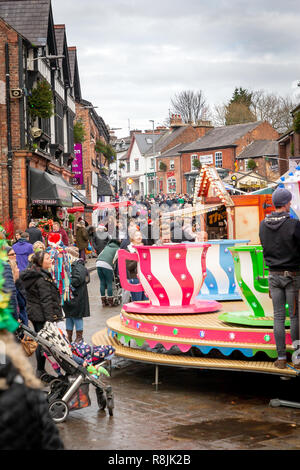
(134, 55)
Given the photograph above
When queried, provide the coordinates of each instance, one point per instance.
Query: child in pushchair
(76, 366)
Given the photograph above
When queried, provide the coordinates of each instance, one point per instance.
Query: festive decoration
(46, 226)
(61, 266)
(7, 321)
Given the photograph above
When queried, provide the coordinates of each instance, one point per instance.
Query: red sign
(170, 173)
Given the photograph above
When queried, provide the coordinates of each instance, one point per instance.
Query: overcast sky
(134, 55)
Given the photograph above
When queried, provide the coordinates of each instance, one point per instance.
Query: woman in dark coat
(43, 298)
(78, 307)
(25, 423)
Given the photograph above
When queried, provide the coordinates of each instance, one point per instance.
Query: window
(172, 165)
(152, 163)
(218, 160)
(136, 165)
(194, 157)
(246, 164)
(128, 167)
(171, 185)
(59, 126)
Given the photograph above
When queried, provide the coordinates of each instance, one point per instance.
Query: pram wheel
(58, 411)
(101, 399)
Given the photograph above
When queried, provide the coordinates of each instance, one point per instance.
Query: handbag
(29, 345)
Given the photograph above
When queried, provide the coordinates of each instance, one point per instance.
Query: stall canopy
(102, 206)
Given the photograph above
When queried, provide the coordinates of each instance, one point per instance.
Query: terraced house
(38, 87)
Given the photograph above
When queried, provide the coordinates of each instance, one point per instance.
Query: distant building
(221, 148)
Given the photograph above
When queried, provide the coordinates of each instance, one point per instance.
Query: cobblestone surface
(192, 409)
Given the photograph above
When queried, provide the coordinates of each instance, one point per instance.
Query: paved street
(192, 409)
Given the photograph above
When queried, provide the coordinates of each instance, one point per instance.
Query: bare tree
(269, 107)
(191, 106)
(274, 109)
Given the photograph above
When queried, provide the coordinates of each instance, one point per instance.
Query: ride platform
(200, 340)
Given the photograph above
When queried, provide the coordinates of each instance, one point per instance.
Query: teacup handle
(124, 255)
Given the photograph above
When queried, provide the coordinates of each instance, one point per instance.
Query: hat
(281, 197)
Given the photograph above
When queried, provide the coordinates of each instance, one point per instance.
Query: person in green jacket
(105, 269)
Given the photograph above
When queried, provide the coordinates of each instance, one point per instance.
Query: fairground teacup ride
(171, 276)
(220, 283)
(252, 280)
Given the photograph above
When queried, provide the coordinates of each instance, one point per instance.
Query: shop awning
(48, 189)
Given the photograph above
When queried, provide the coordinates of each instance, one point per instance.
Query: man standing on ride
(280, 239)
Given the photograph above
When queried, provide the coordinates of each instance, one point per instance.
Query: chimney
(176, 120)
(135, 131)
(202, 127)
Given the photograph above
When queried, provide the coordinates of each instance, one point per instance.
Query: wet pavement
(191, 410)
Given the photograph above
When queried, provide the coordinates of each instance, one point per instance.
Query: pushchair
(69, 390)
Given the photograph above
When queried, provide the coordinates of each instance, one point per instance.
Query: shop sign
(170, 174)
(206, 159)
(150, 175)
(216, 218)
(46, 202)
(77, 165)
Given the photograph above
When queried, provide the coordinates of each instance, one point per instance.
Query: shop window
(171, 185)
(218, 160)
(193, 167)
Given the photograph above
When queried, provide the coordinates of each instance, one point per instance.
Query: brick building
(289, 147)
(34, 152)
(265, 155)
(95, 185)
(221, 147)
(168, 164)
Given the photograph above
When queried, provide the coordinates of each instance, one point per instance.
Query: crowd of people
(39, 293)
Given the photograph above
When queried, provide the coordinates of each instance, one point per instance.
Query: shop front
(151, 184)
(50, 196)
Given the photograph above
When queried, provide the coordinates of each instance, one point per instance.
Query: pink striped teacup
(171, 275)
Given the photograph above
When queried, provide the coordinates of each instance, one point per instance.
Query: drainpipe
(9, 142)
(28, 188)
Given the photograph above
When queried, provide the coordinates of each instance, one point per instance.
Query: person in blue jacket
(23, 249)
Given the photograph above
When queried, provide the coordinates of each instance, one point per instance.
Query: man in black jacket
(280, 239)
(34, 233)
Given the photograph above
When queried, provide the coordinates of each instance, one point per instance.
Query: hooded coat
(22, 249)
(280, 239)
(78, 306)
(42, 296)
(25, 423)
(82, 237)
